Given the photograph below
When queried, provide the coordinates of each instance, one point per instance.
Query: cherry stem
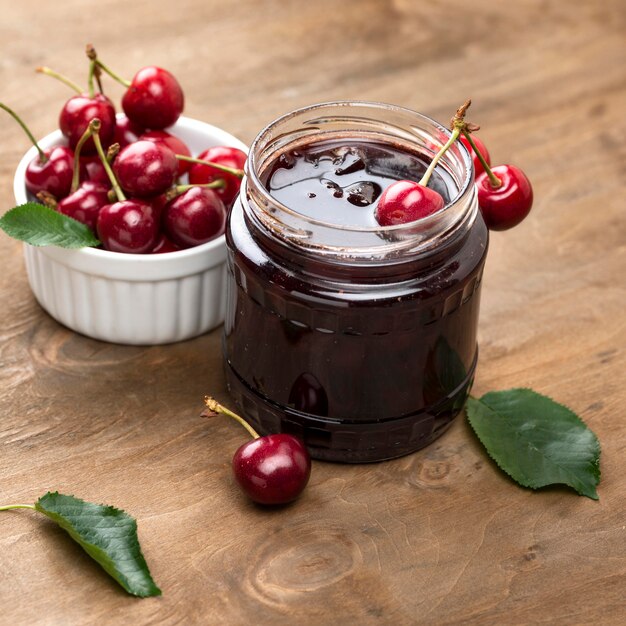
(47, 199)
(216, 407)
(431, 168)
(94, 70)
(42, 155)
(217, 166)
(458, 123)
(216, 184)
(81, 142)
(493, 179)
(98, 74)
(112, 152)
(95, 129)
(112, 74)
(90, 80)
(64, 79)
(171, 193)
(8, 507)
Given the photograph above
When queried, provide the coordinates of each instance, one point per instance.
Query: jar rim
(252, 169)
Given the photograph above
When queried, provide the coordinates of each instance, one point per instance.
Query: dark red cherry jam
(340, 182)
(358, 338)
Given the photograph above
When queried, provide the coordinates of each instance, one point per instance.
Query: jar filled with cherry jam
(359, 338)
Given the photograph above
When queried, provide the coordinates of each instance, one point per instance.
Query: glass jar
(360, 340)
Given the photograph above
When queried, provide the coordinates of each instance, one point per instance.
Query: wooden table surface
(438, 537)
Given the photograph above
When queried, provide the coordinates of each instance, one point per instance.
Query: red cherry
(91, 168)
(274, 469)
(194, 217)
(222, 155)
(164, 245)
(76, 114)
(53, 176)
(478, 166)
(507, 205)
(127, 226)
(85, 203)
(406, 201)
(51, 169)
(126, 132)
(154, 99)
(158, 204)
(145, 168)
(177, 145)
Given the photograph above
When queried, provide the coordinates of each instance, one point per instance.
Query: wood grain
(439, 537)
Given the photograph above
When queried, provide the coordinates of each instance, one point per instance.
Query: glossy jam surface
(365, 362)
(340, 182)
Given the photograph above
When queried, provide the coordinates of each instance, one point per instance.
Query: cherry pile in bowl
(134, 183)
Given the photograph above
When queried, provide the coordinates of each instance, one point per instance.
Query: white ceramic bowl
(140, 299)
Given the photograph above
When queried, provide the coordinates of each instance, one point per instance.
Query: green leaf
(40, 225)
(537, 441)
(108, 535)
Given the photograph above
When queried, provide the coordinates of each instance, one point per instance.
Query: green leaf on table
(107, 534)
(536, 441)
(40, 225)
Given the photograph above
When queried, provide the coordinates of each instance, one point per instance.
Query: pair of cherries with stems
(153, 100)
(505, 195)
(84, 201)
